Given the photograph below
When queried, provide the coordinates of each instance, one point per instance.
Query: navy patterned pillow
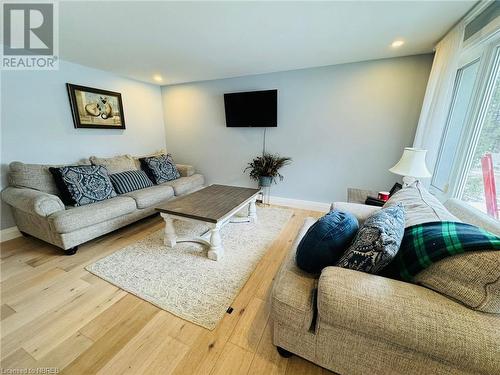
(160, 168)
(377, 241)
(83, 184)
(125, 182)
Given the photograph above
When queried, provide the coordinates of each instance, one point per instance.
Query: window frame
(485, 48)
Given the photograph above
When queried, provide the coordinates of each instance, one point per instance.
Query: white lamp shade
(412, 164)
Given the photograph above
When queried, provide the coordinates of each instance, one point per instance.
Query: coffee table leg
(252, 211)
(170, 238)
(216, 250)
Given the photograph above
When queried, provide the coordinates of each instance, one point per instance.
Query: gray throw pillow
(377, 241)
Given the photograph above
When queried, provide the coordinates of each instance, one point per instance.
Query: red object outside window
(490, 191)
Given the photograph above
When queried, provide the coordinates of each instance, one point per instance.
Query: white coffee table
(215, 205)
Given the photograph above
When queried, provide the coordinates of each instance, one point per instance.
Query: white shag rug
(183, 280)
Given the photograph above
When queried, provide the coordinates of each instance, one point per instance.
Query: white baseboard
(9, 234)
(297, 203)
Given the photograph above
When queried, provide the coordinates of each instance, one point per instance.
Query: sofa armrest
(32, 201)
(408, 315)
(293, 292)
(471, 215)
(185, 170)
(361, 211)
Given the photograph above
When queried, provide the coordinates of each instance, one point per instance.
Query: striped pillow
(125, 182)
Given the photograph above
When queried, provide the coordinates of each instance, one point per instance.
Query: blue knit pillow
(325, 241)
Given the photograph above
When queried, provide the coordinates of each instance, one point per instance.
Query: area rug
(183, 280)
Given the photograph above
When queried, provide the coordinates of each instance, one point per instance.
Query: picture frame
(94, 108)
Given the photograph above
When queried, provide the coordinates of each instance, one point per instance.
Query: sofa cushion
(83, 184)
(326, 241)
(115, 164)
(125, 182)
(377, 241)
(410, 318)
(80, 217)
(471, 278)
(420, 205)
(151, 196)
(185, 185)
(34, 176)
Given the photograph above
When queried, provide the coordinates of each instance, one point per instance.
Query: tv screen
(251, 109)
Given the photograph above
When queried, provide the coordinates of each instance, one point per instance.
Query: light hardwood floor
(56, 314)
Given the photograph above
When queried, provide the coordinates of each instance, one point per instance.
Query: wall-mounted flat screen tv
(251, 109)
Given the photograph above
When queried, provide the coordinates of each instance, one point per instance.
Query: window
(482, 182)
(468, 162)
(464, 85)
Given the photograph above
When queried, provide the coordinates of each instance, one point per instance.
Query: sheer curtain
(438, 94)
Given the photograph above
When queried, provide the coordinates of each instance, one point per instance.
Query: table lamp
(411, 166)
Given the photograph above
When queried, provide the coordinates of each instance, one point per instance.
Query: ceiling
(193, 41)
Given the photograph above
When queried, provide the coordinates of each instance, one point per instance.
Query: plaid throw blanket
(428, 243)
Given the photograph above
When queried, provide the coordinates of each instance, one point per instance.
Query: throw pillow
(128, 181)
(84, 184)
(115, 164)
(377, 241)
(325, 241)
(420, 205)
(160, 169)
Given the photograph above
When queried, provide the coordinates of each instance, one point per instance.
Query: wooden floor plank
(143, 348)
(266, 359)
(100, 328)
(251, 324)
(299, 366)
(18, 359)
(57, 325)
(233, 360)
(39, 303)
(31, 285)
(66, 352)
(167, 358)
(105, 321)
(6, 311)
(96, 357)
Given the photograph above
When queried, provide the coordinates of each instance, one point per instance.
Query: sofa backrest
(34, 176)
(420, 205)
(471, 215)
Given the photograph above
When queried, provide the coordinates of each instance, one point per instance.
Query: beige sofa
(39, 212)
(356, 323)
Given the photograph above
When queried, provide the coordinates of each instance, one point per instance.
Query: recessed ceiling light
(157, 78)
(397, 43)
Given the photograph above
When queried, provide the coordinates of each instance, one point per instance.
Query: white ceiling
(192, 41)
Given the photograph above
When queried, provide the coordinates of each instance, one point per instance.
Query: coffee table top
(210, 204)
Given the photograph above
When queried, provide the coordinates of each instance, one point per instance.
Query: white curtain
(438, 95)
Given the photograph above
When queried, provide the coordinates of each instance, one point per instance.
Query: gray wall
(37, 127)
(343, 125)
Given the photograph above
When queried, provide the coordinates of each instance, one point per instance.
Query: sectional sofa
(38, 210)
(353, 322)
